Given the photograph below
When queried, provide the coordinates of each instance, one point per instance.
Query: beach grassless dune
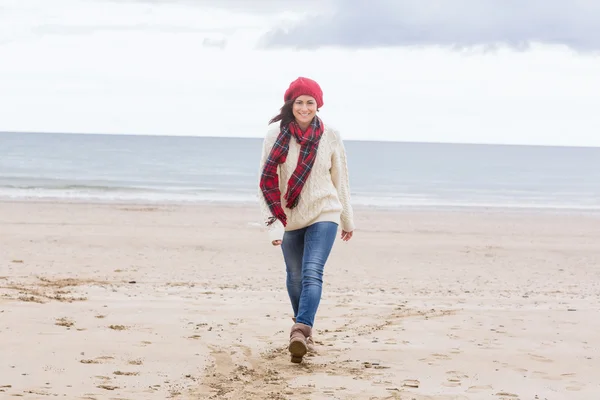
(133, 301)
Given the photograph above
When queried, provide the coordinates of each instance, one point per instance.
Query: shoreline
(481, 209)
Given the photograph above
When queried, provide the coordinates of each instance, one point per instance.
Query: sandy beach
(189, 302)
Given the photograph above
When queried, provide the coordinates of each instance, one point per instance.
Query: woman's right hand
(276, 242)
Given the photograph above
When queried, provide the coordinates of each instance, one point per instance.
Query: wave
(103, 188)
(113, 186)
(173, 191)
(61, 190)
(122, 196)
(113, 194)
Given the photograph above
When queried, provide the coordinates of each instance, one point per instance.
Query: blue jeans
(305, 252)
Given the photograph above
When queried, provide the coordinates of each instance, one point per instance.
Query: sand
(189, 302)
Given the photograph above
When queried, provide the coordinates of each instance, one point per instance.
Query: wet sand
(189, 302)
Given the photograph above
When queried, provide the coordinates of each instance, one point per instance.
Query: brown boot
(310, 344)
(298, 346)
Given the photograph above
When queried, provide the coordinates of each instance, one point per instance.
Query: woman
(304, 196)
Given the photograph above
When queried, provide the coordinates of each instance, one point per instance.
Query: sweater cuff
(276, 231)
(348, 226)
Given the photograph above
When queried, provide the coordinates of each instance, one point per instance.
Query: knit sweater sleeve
(340, 177)
(275, 230)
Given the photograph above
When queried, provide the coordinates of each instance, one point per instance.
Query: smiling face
(304, 109)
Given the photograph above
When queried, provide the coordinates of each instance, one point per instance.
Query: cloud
(210, 42)
(90, 29)
(34, 20)
(218, 43)
(456, 23)
(244, 6)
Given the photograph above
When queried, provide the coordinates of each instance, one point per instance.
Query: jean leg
(318, 241)
(292, 247)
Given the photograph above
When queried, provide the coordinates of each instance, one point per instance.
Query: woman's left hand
(346, 236)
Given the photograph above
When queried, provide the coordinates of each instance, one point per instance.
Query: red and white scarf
(269, 180)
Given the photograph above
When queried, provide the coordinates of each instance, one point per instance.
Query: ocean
(167, 169)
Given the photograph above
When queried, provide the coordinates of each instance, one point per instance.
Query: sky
(463, 71)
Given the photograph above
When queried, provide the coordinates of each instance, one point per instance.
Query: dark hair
(286, 114)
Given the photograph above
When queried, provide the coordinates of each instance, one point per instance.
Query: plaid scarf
(269, 180)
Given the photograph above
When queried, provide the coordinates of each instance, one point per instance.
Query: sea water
(169, 169)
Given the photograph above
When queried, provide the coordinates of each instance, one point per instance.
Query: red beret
(304, 86)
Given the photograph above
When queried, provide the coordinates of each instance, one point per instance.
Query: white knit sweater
(326, 193)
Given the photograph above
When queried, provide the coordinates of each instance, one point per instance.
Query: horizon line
(260, 137)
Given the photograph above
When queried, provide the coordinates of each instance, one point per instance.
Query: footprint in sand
(546, 376)
(126, 373)
(539, 374)
(454, 378)
(507, 396)
(575, 386)
(479, 389)
(435, 357)
(543, 359)
(107, 387)
(97, 360)
(87, 361)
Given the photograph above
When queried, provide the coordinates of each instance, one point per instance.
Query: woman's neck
(303, 127)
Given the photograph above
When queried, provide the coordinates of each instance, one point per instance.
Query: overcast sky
(479, 71)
